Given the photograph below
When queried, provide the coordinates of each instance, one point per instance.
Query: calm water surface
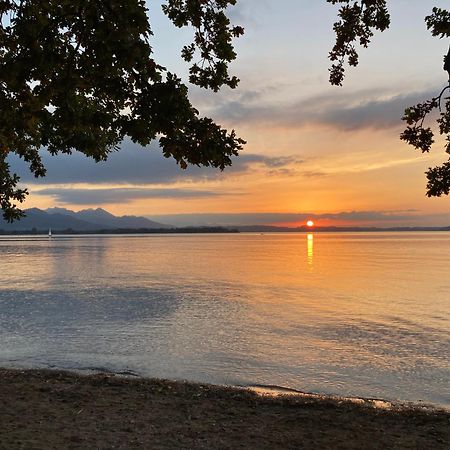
(364, 314)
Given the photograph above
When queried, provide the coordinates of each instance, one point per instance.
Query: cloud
(76, 196)
(372, 216)
(247, 13)
(369, 113)
(137, 166)
(314, 174)
(369, 109)
(130, 165)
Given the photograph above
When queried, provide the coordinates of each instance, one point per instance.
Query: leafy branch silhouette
(356, 25)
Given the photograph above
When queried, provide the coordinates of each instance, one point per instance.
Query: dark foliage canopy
(78, 75)
(356, 25)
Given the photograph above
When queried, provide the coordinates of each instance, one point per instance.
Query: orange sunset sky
(312, 150)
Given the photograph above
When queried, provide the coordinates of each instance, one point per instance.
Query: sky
(313, 150)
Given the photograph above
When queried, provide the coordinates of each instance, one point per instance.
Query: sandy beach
(41, 409)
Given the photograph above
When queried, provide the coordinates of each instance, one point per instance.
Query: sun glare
(310, 223)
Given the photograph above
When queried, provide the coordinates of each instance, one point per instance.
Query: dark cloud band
(136, 166)
(108, 196)
(337, 109)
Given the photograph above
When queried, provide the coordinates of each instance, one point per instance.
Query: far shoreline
(60, 409)
(263, 229)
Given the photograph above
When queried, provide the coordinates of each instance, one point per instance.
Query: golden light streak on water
(310, 249)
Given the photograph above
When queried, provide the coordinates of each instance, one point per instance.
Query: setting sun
(310, 223)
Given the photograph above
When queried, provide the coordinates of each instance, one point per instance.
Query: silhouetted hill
(104, 219)
(86, 220)
(40, 220)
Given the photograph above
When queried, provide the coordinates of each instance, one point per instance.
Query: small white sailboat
(49, 233)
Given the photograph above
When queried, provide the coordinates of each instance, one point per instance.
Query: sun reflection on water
(310, 249)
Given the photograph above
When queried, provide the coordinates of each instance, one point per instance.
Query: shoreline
(270, 390)
(42, 408)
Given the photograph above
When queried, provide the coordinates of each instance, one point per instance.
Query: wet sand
(42, 409)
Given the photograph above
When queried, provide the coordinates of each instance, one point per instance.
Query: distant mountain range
(85, 220)
(99, 220)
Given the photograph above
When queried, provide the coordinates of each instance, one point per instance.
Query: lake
(352, 314)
